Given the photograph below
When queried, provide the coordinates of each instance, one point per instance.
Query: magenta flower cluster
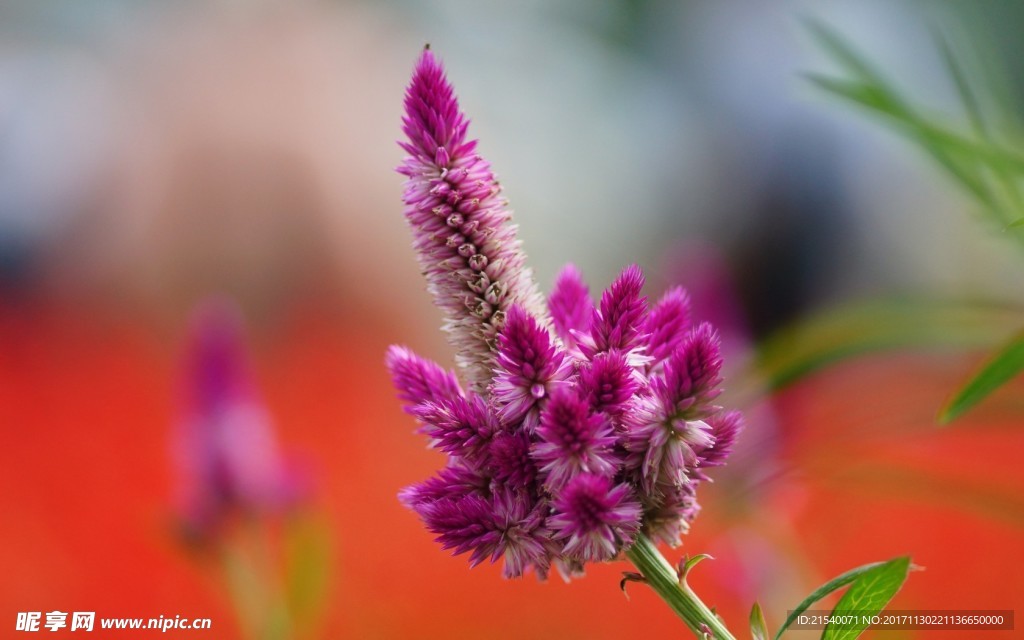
(583, 425)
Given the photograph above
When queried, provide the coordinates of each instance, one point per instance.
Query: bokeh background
(154, 153)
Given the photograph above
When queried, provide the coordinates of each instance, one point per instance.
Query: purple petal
(225, 447)
(667, 518)
(725, 429)
(455, 481)
(509, 457)
(693, 372)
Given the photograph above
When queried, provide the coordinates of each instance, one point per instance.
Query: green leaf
(861, 93)
(963, 87)
(997, 371)
(832, 585)
(758, 627)
(849, 330)
(989, 171)
(959, 155)
(689, 563)
(973, 109)
(867, 596)
(841, 51)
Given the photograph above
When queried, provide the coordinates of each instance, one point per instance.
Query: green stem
(243, 587)
(666, 583)
(248, 565)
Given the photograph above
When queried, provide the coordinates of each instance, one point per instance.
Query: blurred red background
(863, 475)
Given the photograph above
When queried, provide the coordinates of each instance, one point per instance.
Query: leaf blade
(854, 329)
(868, 595)
(989, 171)
(999, 369)
(758, 627)
(834, 584)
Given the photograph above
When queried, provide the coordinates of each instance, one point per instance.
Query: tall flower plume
(582, 426)
(462, 228)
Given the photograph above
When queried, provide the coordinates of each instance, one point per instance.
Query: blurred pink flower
(227, 456)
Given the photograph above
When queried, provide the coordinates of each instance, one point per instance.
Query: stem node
(671, 586)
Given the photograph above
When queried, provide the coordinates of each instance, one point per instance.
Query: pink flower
(227, 456)
(620, 322)
(529, 368)
(419, 380)
(667, 426)
(575, 434)
(572, 439)
(595, 518)
(570, 304)
(461, 427)
(609, 382)
(666, 324)
(508, 525)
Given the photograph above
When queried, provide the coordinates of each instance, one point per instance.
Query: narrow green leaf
(832, 585)
(867, 596)
(943, 143)
(959, 156)
(1019, 222)
(689, 563)
(842, 52)
(758, 627)
(849, 330)
(987, 170)
(963, 87)
(990, 67)
(974, 112)
(997, 371)
(989, 153)
(859, 92)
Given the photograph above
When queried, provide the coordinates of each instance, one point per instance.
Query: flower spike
(595, 517)
(570, 304)
(529, 369)
(619, 322)
(666, 324)
(462, 229)
(572, 440)
(419, 380)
